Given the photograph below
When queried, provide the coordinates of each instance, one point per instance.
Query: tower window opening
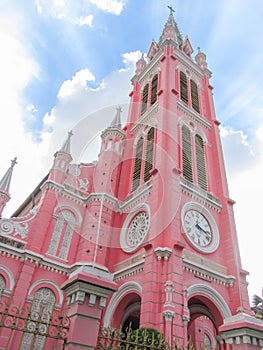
(154, 89)
(143, 163)
(187, 153)
(200, 162)
(194, 96)
(144, 98)
(149, 99)
(183, 87)
(149, 155)
(137, 165)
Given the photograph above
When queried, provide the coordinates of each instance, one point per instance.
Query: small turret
(113, 140)
(5, 185)
(62, 159)
(200, 59)
(140, 65)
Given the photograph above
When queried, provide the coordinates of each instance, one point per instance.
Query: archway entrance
(203, 324)
(127, 313)
(131, 316)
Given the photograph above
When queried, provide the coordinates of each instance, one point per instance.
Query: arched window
(137, 165)
(144, 98)
(41, 310)
(149, 155)
(143, 163)
(194, 96)
(183, 87)
(2, 285)
(187, 153)
(154, 89)
(62, 234)
(200, 162)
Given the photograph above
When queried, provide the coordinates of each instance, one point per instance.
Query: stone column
(87, 293)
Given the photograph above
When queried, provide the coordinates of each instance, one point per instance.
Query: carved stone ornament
(8, 227)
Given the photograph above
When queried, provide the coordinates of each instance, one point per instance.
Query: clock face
(197, 228)
(200, 227)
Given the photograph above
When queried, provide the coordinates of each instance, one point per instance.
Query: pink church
(144, 236)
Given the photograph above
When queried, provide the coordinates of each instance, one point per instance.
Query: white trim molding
(126, 288)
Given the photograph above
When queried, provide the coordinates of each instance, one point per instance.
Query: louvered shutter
(183, 87)
(149, 155)
(137, 165)
(187, 153)
(194, 96)
(154, 89)
(200, 162)
(144, 98)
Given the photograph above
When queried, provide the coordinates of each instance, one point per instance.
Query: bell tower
(177, 221)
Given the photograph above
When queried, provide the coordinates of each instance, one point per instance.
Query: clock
(197, 228)
(200, 228)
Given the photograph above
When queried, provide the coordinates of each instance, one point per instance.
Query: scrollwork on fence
(140, 339)
(22, 318)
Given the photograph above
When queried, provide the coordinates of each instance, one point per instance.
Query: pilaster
(87, 292)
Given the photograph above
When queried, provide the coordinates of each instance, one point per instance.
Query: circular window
(134, 231)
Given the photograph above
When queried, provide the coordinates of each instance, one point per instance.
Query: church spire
(6, 179)
(171, 30)
(5, 185)
(116, 122)
(66, 146)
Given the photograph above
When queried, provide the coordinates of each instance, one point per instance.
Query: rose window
(137, 230)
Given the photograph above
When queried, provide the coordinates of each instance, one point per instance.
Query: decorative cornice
(189, 63)
(115, 131)
(193, 115)
(150, 68)
(65, 192)
(207, 273)
(136, 197)
(106, 198)
(145, 118)
(200, 195)
(129, 271)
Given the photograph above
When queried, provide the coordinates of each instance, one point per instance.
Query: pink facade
(146, 235)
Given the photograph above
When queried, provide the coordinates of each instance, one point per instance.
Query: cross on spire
(171, 9)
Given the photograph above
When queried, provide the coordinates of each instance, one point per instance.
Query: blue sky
(62, 60)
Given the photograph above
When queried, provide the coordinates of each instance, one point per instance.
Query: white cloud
(85, 20)
(113, 6)
(79, 81)
(79, 11)
(87, 110)
(245, 171)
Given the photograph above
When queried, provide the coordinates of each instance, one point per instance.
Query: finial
(13, 162)
(66, 146)
(171, 9)
(117, 119)
(118, 109)
(6, 180)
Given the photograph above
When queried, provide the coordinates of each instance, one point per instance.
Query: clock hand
(201, 229)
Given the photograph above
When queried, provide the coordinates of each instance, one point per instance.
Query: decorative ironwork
(139, 339)
(34, 323)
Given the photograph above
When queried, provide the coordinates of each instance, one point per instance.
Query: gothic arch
(43, 283)
(67, 206)
(124, 290)
(8, 276)
(211, 294)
